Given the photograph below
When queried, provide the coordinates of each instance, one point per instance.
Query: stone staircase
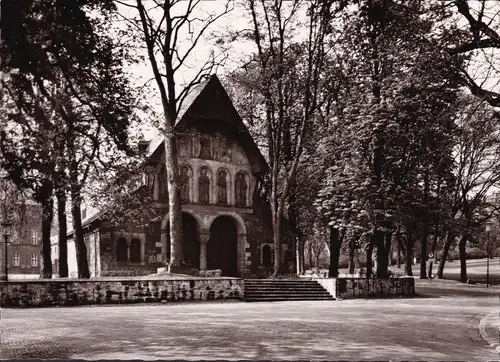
(268, 290)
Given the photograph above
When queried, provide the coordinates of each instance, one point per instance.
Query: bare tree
(483, 38)
(477, 173)
(161, 25)
(288, 79)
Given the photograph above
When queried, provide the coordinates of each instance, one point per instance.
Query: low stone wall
(353, 287)
(350, 288)
(38, 293)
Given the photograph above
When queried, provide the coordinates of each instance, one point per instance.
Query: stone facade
(225, 220)
(112, 291)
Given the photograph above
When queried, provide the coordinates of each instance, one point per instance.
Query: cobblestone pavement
(420, 328)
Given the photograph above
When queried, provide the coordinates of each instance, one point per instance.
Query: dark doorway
(222, 250)
(121, 250)
(135, 251)
(267, 256)
(191, 242)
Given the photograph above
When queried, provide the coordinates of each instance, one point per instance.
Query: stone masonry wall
(351, 288)
(38, 293)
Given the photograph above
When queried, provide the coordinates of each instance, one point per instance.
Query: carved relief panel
(184, 146)
(186, 183)
(218, 148)
(204, 182)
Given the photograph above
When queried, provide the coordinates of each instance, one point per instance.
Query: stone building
(226, 223)
(24, 244)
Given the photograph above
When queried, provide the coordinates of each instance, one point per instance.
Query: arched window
(240, 189)
(204, 186)
(135, 251)
(267, 256)
(222, 187)
(121, 250)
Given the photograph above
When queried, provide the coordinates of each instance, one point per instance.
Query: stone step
(290, 295)
(284, 299)
(282, 290)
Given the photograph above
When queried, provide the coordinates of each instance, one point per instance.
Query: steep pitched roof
(209, 102)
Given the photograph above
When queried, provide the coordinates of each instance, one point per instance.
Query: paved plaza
(424, 328)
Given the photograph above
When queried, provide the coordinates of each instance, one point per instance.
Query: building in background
(24, 244)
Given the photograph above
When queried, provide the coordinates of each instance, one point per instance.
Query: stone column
(203, 250)
(97, 240)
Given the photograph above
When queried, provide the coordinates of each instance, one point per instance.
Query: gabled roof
(208, 103)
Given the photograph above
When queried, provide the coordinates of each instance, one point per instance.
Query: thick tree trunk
(369, 252)
(63, 232)
(382, 257)
(351, 256)
(47, 217)
(409, 254)
(335, 244)
(174, 202)
(463, 259)
(277, 241)
(444, 254)
(408, 262)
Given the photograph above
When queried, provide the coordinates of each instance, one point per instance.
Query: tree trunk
(408, 261)
(335, 244)
(423, 257)
(425, 230)
(277, 241)
(351, 256)
(302, 254)
(174, 202)
(398, 249)
(444, 254)
(298, 258)
(435, 239)
(309, 255)
(63, 232)
(409, 254)
(463, 260)
(47, 217)
(369, 252)
(293, 222)
(382, 257)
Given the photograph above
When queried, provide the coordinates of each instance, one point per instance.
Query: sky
(237, 20)
(233, 21)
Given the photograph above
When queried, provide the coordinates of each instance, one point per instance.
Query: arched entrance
(190, 242)
(222, 247)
